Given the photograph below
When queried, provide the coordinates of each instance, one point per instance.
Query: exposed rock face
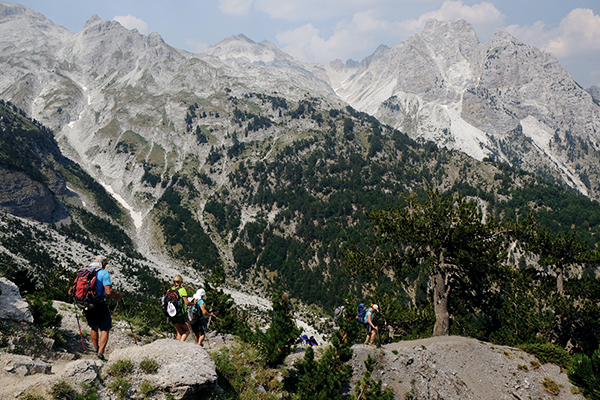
(22, 196)
(502, 99)
(458, 368)
(185, 370)
(12, 305)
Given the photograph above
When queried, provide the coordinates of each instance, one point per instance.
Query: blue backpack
(361, 313)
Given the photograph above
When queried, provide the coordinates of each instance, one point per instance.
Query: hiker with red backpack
(172, 305)
(89, 292)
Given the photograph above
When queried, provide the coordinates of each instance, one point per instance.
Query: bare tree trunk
(560, 277)
(440, 305)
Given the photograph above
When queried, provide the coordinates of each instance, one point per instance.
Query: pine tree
(367, 388)
(585, 373)
(281, 336)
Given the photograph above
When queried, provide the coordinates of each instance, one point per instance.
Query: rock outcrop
(12, 305)
(185, 370)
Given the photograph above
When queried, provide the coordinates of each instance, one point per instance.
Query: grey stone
(12, 305)
(185, 370)
(24, 365)
(81, 371)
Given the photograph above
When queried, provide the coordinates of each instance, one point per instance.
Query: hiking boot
(372, 344)
(101, 357)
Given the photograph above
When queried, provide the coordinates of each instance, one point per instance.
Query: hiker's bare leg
(94, 337)
(178, 329)
(201, 339)
(103, 341)
(185, 334)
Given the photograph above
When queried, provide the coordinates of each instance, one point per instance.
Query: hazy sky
(323, 30)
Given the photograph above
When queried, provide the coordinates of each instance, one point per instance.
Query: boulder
(81, 371)
(12, 305)
(185, 370)
(23, 365)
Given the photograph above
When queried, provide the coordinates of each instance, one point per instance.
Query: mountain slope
(244, 157)
(502, 99)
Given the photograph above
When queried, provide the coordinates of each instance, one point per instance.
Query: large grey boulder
(185, 370)
(12, 305)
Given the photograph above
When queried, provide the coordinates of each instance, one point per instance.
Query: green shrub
(120, 368)
(29, 396)
(548, 353)
(148, 365)
(147, 388)
(44, 314)
(551, 386)
(62, 389)
(120, 386)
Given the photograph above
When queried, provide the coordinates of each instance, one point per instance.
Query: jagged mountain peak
(241, 48)
(94, 19)
(41, 32)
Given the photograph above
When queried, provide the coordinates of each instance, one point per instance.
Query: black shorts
(99, 317)
(179, 319)
(200, 327)
(368, 327)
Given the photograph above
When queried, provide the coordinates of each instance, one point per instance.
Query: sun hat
(199, 294)
(375, 307)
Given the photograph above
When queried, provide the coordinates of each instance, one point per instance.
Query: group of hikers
(93, 284)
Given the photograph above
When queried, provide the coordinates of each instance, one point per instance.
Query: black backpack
(171, 297)
(83, 291)
(360, 313)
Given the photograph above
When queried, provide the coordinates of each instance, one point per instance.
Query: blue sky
(323, 30)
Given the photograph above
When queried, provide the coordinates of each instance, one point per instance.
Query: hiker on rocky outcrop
(180, 320)
(98, 317)
(199, 323)
(371, 328)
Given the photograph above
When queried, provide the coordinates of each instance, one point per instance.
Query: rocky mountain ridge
(503, 99)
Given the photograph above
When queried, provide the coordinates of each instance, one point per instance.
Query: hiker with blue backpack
(198, 314)
(365, 316)
(89, 291)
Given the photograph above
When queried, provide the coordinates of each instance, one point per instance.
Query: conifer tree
(323, 379)
(447, 238)
(585, 373)
(281, 337)
(367, 388)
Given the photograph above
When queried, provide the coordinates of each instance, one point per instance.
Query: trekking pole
(80, 334)
(130, 327)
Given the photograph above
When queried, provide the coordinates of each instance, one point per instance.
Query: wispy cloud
(235, 7)
(366, 28)
(484, 17)
(577, 34)
(131, 22)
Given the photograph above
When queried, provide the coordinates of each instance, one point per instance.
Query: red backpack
(83, 291)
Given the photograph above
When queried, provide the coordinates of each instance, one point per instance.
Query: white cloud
(366, 29)
(131, 22)
(484, 17)
(196, 47)
(297, 10)
(578, 34)
(235, 7)
(306, 44)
